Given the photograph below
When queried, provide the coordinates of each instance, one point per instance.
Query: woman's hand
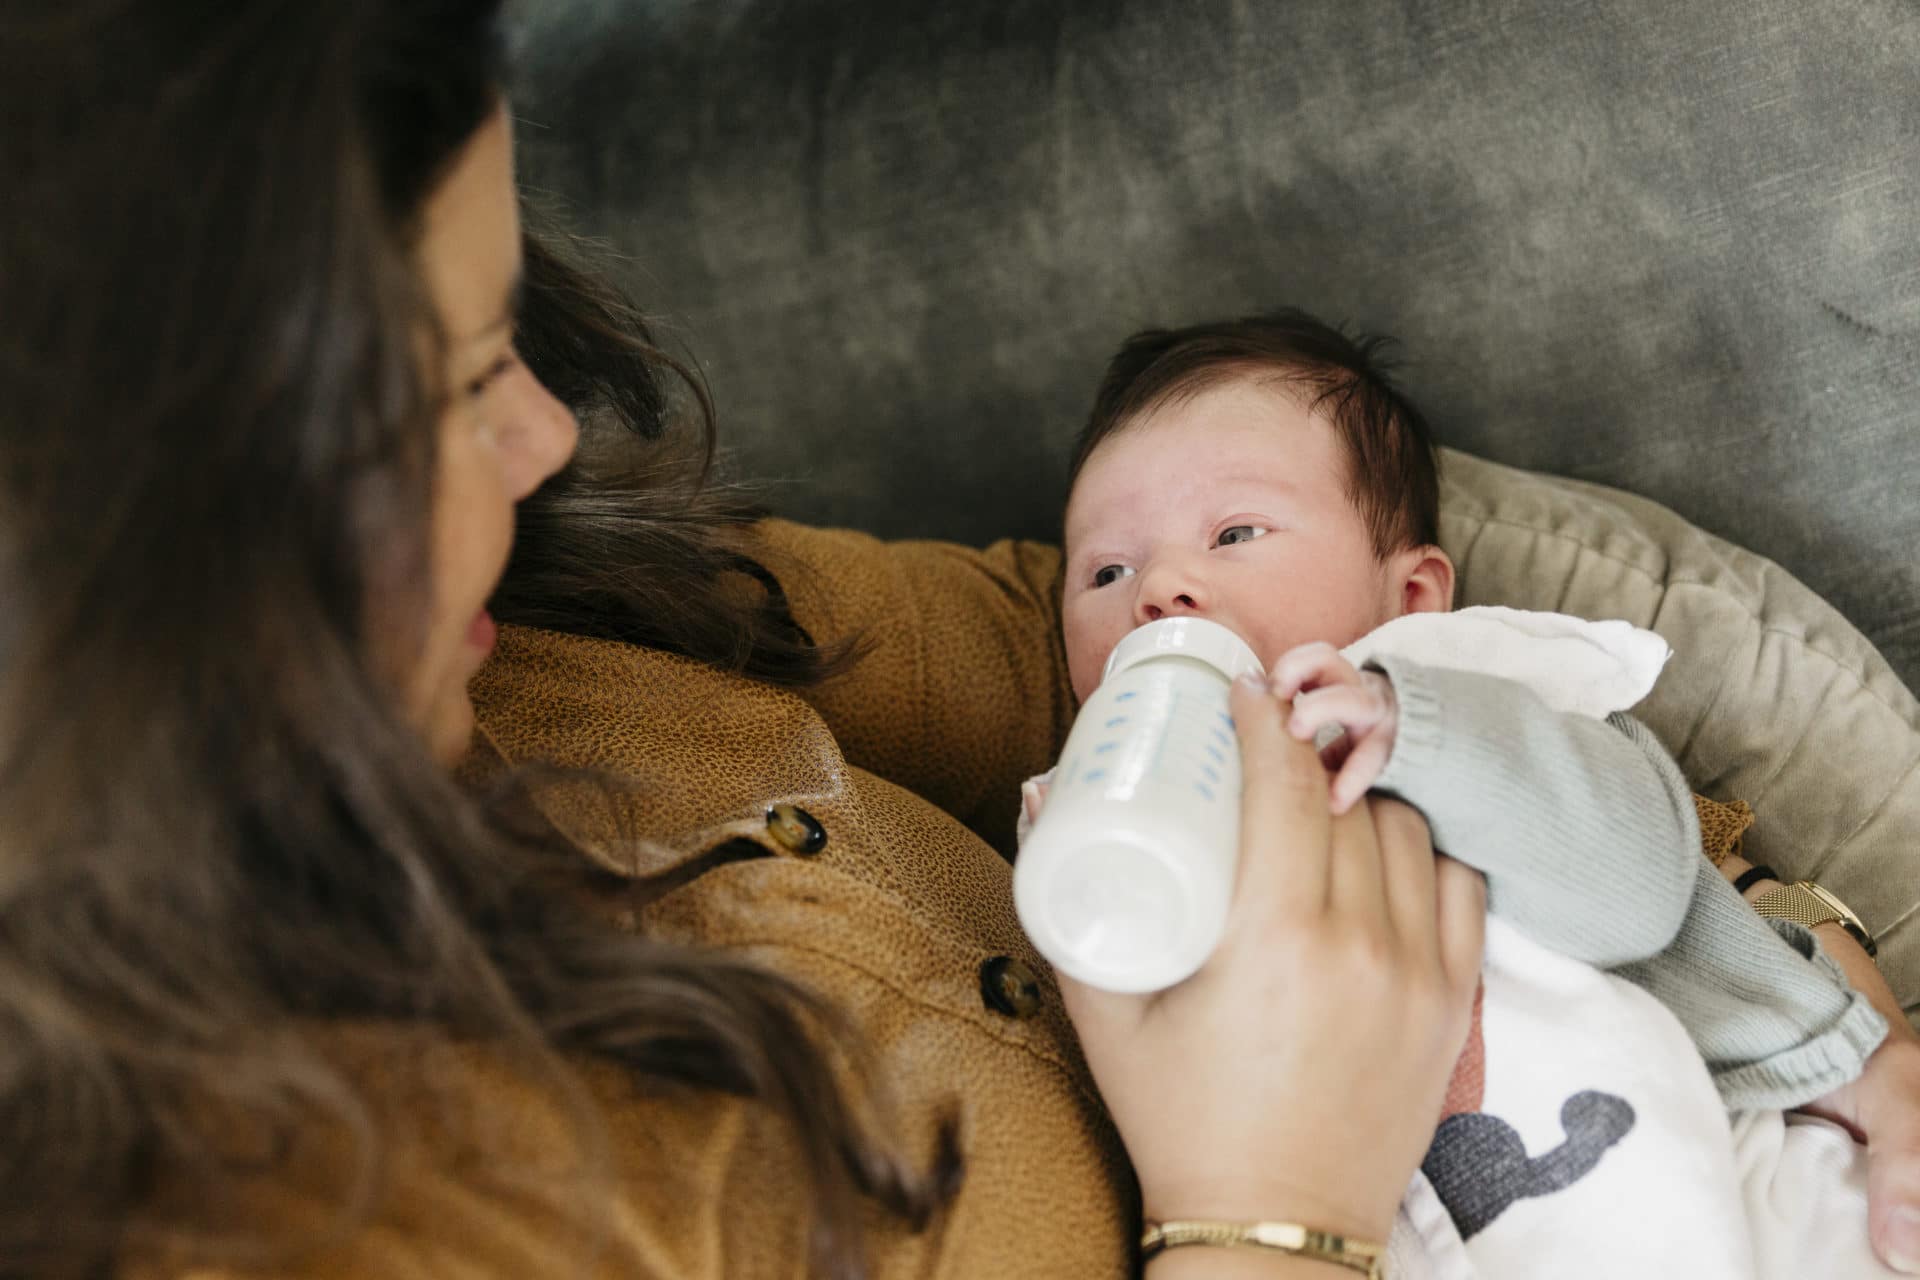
(1882, 1107)
(1300, 1074)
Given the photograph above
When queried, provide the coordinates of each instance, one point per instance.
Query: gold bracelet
(1286, 1237)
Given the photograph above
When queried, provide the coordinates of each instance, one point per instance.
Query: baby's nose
(1180, 603)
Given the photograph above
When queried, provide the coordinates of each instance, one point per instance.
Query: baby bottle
(1125, 878)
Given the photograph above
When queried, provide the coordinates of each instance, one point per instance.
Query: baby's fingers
(1357, 708)
(1033, 796)
(1310, 666)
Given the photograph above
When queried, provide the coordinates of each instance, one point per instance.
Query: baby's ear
(1423, 579)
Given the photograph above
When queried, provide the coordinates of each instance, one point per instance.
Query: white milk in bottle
(1125, 878)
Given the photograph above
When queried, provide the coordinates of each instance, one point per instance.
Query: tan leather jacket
(857, 887)
(863, 890)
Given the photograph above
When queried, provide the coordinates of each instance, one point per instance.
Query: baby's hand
(1328, 691)
(1033, 797)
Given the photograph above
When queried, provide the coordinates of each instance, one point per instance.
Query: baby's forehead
(1248, 442)
(1121, 488)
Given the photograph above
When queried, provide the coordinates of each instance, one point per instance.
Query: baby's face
(1230, 505)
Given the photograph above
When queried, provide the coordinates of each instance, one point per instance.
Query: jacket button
(796, 830)
(1009, 987)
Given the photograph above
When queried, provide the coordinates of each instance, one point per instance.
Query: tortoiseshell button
(796, 830)
(1009, 987)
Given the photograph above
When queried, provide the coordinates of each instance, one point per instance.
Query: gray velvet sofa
(1672, 248)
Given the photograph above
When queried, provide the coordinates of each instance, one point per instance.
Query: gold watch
(1805, 902)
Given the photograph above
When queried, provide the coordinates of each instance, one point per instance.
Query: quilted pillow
(1771, 696)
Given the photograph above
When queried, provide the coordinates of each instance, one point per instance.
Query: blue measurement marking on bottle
(1190, 746)
(1160, 743)
(1178, 742)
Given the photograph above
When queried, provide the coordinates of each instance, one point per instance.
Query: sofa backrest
(1673, 248)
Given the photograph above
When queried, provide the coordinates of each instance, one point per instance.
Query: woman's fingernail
(1254, 681)
(1903, 1241)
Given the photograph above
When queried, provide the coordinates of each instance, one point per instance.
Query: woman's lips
(482, 634)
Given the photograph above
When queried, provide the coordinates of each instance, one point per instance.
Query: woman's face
(502, 432)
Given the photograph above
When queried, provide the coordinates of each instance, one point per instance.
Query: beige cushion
(1771, 697)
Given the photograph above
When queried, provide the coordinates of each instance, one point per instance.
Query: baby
(1265, 474)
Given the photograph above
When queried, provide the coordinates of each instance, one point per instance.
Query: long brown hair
(636, 539)
(216, 462)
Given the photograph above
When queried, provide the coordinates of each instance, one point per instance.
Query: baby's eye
(1237, 533)
(1107, 574)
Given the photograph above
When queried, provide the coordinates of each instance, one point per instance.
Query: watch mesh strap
(1805, 903)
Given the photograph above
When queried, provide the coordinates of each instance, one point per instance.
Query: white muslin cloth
(1572, 664)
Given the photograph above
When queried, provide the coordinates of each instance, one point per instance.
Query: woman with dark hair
(662, 985)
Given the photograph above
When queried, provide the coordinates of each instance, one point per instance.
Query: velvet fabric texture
(1671, 248)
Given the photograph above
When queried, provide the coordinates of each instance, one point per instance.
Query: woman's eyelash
(493, 372)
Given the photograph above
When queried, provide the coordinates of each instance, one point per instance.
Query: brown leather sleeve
(962, 692)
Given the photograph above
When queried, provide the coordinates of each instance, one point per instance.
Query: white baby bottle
(1125, 879)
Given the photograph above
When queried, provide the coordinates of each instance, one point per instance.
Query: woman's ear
(1423, 578)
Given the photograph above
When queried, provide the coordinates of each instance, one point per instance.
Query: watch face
(1838, 911)
(1821, 903)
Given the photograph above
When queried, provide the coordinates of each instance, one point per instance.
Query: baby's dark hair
(1393, 472)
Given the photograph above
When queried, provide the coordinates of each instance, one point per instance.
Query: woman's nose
(547, 436)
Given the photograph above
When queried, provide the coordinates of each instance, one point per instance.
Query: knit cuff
(1420, 730)
(1797, 1076)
